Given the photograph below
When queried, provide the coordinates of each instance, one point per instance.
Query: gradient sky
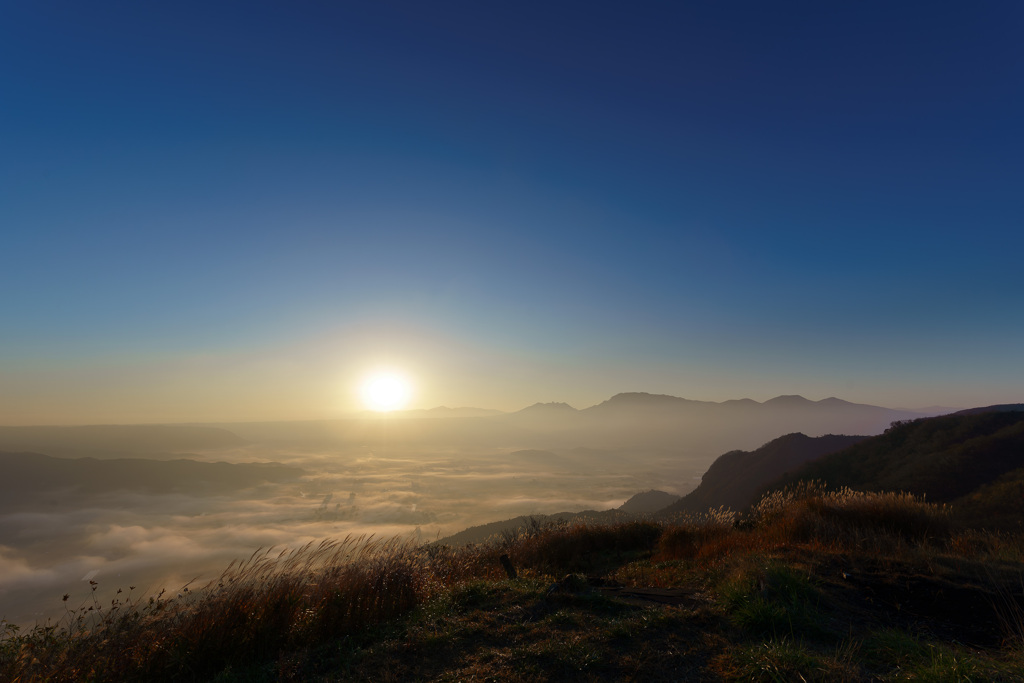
(233, 210)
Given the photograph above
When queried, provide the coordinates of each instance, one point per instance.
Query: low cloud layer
(163, 518)
(124, 538)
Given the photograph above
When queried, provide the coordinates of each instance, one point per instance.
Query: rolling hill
(735, 479)
(974, 460)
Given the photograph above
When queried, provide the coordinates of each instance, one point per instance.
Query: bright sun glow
(386, 391)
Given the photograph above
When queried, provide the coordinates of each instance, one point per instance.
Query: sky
(236, 210)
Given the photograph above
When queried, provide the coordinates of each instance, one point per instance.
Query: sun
(386, 391)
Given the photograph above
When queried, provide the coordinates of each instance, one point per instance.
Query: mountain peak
(641, 395)
(643, 398)
(552, 407)
(789, 400)
(740, 402)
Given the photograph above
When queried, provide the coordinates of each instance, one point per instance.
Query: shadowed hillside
(1000, 408)
(942, 458)
(975, 459)
(736, 478)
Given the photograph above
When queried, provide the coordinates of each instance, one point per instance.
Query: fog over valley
(158, 506)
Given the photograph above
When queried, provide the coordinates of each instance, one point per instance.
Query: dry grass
(362, 607)
(579, 547)
(697, 535)
(269, 602)
(850, 519)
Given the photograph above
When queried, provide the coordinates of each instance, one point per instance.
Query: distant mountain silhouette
(795, 401)
(694, 431)
(644, 401)
(655, 420)
(547, 409)
(661, 403)
(544, 417)
(734, 479)
(740, 402)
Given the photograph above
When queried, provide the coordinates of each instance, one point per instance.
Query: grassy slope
(974, 461)
(943, 457)
(843, 587)
(736, 478)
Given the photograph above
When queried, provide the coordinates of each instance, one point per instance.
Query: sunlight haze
(386, 391)
(211, 217)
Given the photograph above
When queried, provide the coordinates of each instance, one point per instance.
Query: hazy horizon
(241, 211)
(442, 411)
(154, 506)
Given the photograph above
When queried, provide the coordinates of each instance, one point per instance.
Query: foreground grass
(812, 585)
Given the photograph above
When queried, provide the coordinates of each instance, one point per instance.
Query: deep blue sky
(217, 210)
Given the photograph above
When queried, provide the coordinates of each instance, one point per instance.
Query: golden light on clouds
(385, 391)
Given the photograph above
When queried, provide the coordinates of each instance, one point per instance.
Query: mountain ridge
(736, 477)
(943, 458)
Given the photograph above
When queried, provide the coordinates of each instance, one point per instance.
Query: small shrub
(782, 661)
(774, 601)
(687, 538)
(892, 647)
(581, 547)
(807, 511)
(945, 664)
(776, 504)
(895, 514)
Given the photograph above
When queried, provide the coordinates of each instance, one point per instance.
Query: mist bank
(34, 481)
(157, 524)
(626, 421)
(697, 430)
(191, 498)
(152, 440)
